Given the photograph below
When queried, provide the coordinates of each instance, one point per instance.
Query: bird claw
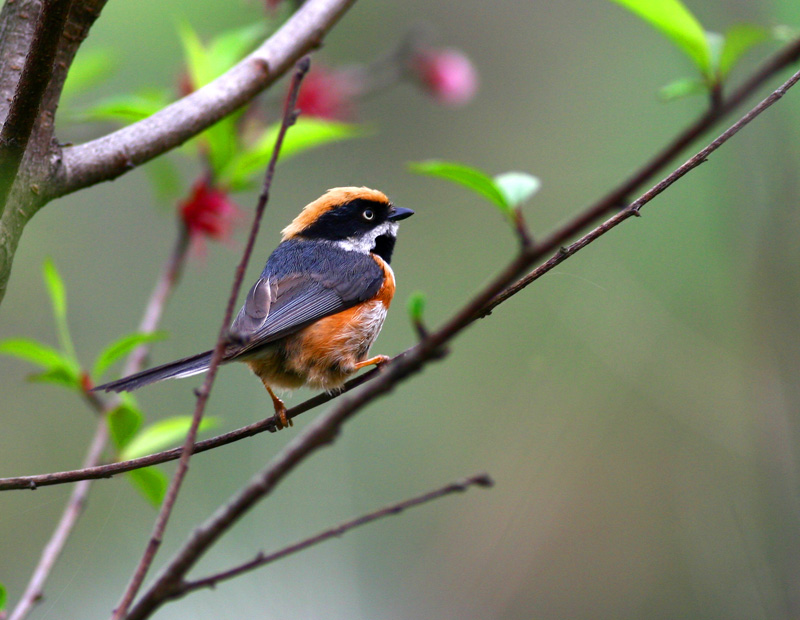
(281, 419)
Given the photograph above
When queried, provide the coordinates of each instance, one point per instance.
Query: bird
(318, 306)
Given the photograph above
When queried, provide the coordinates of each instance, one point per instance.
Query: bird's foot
(281, 419)
(378, 360)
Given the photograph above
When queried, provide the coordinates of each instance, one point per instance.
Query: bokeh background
(638, 406)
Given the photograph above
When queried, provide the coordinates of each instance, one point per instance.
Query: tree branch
(618, 196)
(113, 469)
(30, 90)
(108, 157)
(261, 559)
(323, 430)
(612, 200)
(77, 501)
(289, 118)
(51, 552)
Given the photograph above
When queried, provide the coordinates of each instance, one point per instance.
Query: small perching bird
(319, 304)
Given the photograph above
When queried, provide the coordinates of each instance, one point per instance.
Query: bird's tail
(178, 369)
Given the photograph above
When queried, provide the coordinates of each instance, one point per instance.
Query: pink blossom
(447, 74)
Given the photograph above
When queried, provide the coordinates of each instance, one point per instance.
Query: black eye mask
(347, 221)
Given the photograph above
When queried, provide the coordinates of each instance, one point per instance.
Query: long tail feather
(178, 369)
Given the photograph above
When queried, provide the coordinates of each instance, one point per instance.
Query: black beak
(399, 213)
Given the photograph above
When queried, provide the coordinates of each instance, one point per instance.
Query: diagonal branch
(52, 550)
(79, 496)
(612, 200)
(618, 196)
(289, 118)
(30, 90)
(108, 157)
(323, 430)
(262, 559)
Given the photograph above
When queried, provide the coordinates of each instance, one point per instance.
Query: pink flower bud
(447, 74)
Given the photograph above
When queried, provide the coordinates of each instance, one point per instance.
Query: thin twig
(613, 200)
(52, 550)
(108, 157)
(261, 559)
(77, 501)
(113, 469)
(618, 197)
(289, 118)
(33, 81)
(324, 429)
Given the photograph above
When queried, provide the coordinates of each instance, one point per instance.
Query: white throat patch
(364, 243)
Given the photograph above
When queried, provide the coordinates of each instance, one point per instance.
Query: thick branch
(30, 90)
(325, 428)
(108, 157)
(551, 243)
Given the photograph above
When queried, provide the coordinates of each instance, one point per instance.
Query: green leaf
(738, 41)
(416, 306)
(121, 348)
(206, 63)
(677, 23)
(679, 89)
(471, 178)
(33, 352)
(89, 68)
(151, 482)
(3, 597)
(58, 299)
(66, 375)
(517, 187)
(197, 60)
(55, 288)
(57, 366)
(128, 108)
(305, 134)
(228, 48)
(124, 421)
(221, 137)
(161, 435)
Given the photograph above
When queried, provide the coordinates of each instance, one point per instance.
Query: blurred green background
(637, 406)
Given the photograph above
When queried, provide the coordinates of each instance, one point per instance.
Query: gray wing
(278, 306)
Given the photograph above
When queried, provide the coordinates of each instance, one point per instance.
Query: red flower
(208, 212)
(327, 93)
(447, 74)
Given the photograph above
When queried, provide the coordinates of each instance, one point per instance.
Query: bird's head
(357, 219)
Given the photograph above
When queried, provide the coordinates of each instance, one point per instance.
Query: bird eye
(368, 214)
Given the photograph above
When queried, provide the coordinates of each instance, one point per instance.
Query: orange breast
(324, 354)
